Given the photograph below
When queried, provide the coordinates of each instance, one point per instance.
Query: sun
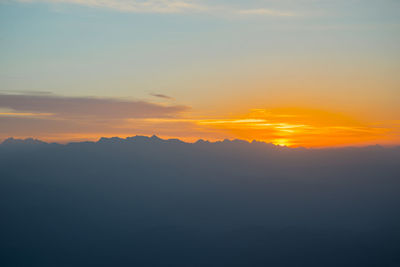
(281, 142)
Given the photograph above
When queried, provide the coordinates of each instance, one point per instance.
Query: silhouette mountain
(17, 142)
(145, 201)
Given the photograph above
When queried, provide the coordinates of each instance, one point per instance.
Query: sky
(312, 73)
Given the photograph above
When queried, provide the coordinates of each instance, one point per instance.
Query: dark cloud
(162, 96)
(87, 106)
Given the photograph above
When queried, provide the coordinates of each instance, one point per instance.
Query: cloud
(166, 7)
(265, 11)
(162, 96)
(60, 118)
(202, 204)
(134, 6)
(25, 92)
(83, 107)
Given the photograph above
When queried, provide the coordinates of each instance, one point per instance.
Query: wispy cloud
(25, 92)
(162, 96)
(265, 12)
(167, 6)
(135, 6)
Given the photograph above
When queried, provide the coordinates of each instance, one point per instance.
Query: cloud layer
(149, 202)
(87, 106)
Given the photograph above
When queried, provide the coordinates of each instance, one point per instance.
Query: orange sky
(292, 127)
(306, 127)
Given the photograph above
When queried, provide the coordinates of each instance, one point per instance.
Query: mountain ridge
(154, 139)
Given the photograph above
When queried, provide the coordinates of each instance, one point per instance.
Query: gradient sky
(300, 73)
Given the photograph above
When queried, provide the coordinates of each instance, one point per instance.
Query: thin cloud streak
(134, 6)
(165, 7)
(265, 11)
(162, 96)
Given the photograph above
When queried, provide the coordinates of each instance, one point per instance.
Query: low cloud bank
(144, 201)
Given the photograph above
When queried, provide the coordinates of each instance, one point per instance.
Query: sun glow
(281, 142)
(295, 127)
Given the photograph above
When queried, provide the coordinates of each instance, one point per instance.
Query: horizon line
(200, 140)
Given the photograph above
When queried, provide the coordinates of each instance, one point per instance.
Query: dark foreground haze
(149, 202)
